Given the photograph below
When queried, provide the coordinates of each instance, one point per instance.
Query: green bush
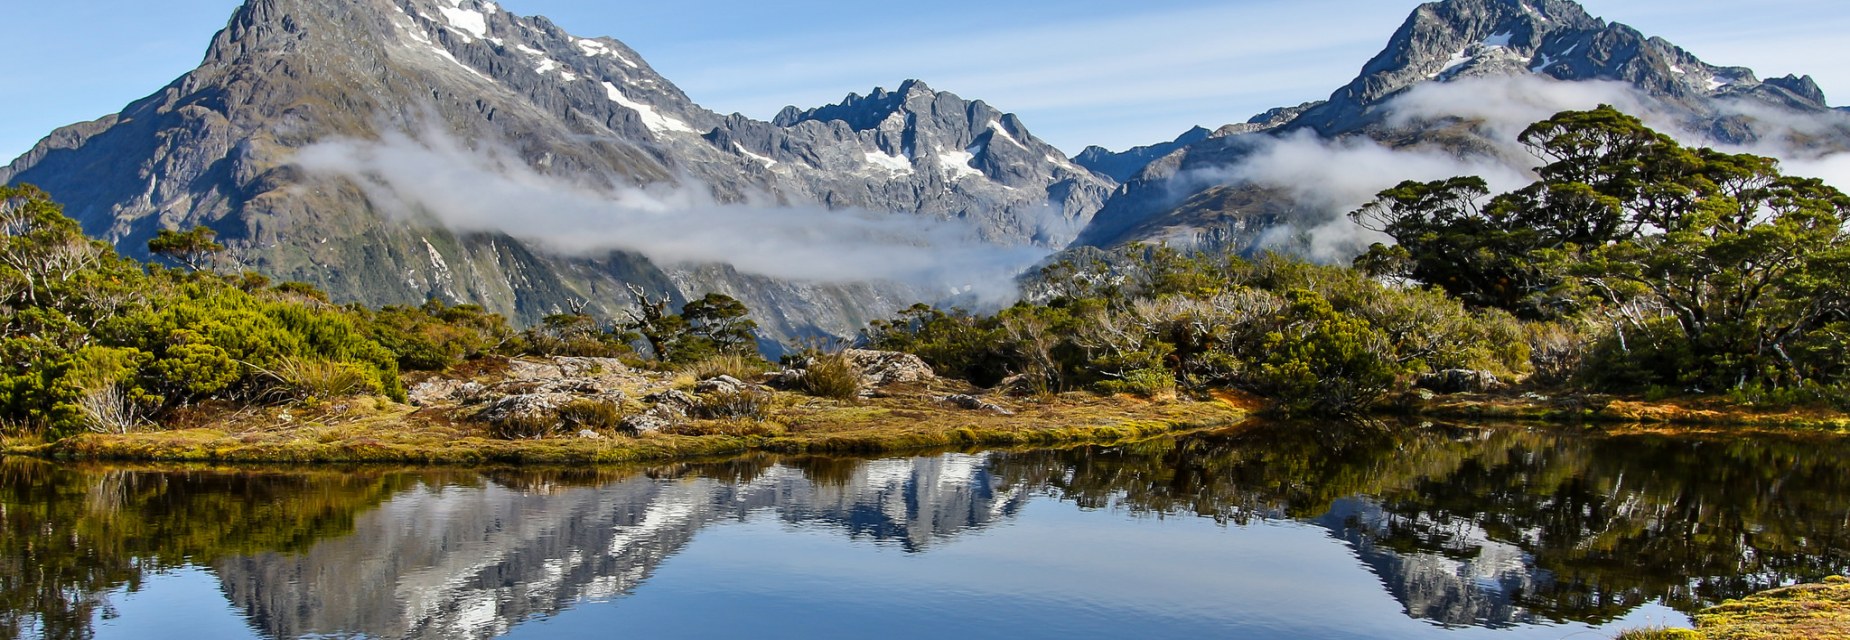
(1148, 383)
(1327, 364)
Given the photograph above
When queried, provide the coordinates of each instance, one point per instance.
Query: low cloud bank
(1326, 179)
(491, 190)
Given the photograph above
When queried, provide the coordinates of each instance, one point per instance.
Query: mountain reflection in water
(1492, 528)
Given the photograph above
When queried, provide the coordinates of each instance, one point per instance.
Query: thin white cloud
(486, 189)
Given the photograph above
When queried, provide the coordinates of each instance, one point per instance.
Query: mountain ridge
(217, 147)
(1441, 44)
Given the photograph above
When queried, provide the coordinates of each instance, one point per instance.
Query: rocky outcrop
(883, 368)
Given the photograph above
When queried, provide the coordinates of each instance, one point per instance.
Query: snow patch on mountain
(594, 48)
(895, 165)
(469, 21)
(956, 164)
(655, 121)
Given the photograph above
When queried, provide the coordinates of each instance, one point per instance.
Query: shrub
(831, 376)
(1148, 383)
(1330, 364)
(1556, 351)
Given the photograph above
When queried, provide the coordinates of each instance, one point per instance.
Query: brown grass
(372, 431)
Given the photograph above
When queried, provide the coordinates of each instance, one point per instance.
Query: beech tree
(193, 249)
(1747, 268)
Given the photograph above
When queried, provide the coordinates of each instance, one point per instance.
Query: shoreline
(406, 435)
(453, 420)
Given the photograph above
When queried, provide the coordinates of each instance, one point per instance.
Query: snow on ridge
(654, 121)
(767, 162)
(468, 21)
(957, 164)
(1549, 61)
(1459, 59)
(996, 126)
(1499, 40)
(594, 48)
(896, 165)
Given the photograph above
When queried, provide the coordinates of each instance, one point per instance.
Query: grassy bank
(1804, 611)
(372, 431)
(1703, 414)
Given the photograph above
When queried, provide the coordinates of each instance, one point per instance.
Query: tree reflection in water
(1464, 526)
(1537, 524)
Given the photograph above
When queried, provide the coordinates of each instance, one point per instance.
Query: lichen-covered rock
(882, 368)
(675, 402)
(1459, 381)
(721, 384)
(443, 391)
(590, 367)
(786, 379)
(653, 420)
(532, 370)
(973, 403)
(524, 409)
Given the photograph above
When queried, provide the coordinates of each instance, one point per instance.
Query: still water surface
(1268, 532)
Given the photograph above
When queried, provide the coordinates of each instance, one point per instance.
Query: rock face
(1180, 198)
(218, 147)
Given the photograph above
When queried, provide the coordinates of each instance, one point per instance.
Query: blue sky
(1078, 71)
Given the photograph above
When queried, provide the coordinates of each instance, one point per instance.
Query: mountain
(486, 558)
(1124, 165)
(1454, 65)
(416, 108)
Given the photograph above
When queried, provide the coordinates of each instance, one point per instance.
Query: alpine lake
(1261, 531)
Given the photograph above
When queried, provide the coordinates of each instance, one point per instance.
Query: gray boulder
(525, 409)
(443, 391)
(882, 368)
(721, 384)
(973, 403)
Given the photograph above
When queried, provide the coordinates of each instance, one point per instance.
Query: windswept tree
(195, 249)
(711, 325)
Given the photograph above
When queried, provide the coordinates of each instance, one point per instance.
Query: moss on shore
(1707, 414)
(1793, 613)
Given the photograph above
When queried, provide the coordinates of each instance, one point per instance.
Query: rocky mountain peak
(1457, 39)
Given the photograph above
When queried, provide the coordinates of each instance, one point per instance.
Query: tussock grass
(745, 368)
(302, 379)
(745, 404)
(596, 415)
(831, 376)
